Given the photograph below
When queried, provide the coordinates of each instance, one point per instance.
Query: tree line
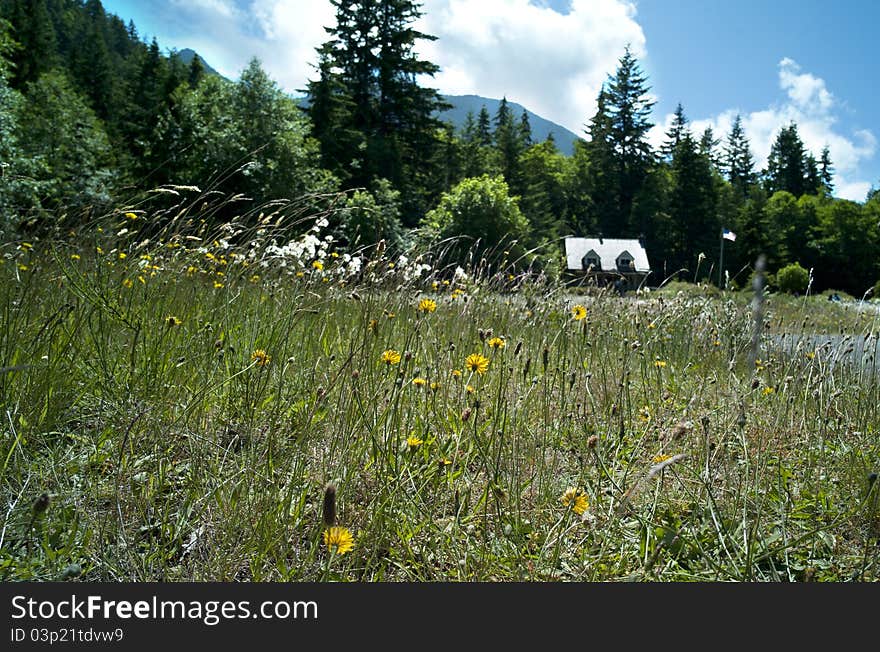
(91, 114)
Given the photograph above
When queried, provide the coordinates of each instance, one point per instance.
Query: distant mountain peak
(186, 55)
(541, 127)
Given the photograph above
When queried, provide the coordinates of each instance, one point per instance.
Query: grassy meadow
(172, 408)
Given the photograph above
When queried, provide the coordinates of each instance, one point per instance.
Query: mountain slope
(186, 55)
(541, 127)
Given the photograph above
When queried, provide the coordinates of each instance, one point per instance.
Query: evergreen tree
(32, 29)
(787, 164)
(525, 130)
(826, 170)
(675, 133)
(68, 138)
(629, 109)
(812, 178)
(693, 207)
(331, 110)
(371, 56)
(709, 147)
(738, 162)
(599, 167)
(543, 198)
(484, 127)
(196, 72)
(509, 144)
(620, 156)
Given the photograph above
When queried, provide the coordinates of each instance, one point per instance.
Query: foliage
(370, 217)
(166, 398)
(480, 212)
(793, 279)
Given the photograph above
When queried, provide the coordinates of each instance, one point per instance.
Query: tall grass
(131, 395)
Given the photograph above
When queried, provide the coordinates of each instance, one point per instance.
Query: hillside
(186, 55)
(541, 127)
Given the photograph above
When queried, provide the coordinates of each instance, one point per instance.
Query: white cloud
(551, 62)
(222, 7)
(811, 106)
(554, 63)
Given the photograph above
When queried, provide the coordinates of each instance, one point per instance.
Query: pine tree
(525, 130)
(787, 164)
(693, 205)
(812, 178)
(196, 71)
(509, 144)
(598, 164)
(32, 29)
(372, 56)
(484, 127)
(675, 133)
(826, 170)
(738, 162)
(627, 107)
(709, 147)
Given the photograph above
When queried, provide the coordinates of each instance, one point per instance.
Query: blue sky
(771, 62)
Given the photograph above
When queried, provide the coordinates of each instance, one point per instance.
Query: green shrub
(481, 212)
(793, 279)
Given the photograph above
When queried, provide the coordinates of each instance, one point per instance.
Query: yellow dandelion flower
(652, 325)
(578, 312)
(299, 274)
(435, 386)
(575, 499)
(217, 285)
(435, 285)
(768, 390)
(419, 382)
(74, 256)
(660, 458)
(496, 342)
(414, 442)
(660, 363)
(810, 355)
(338, 540)
(142, 280)
(318, 265)
(22, 267)
(389, 314)
(444, 461)
(645, 414)
(171, 320)
(128, 283)
(390, 357)
(427, 305)
(470, 389)
(456, 373)
(26, 246)
(716, 343)
(99, 250)
(122, 255)
(333, 254)
(261, 358)
(477, 362)
(131, 216)
(255, 278)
